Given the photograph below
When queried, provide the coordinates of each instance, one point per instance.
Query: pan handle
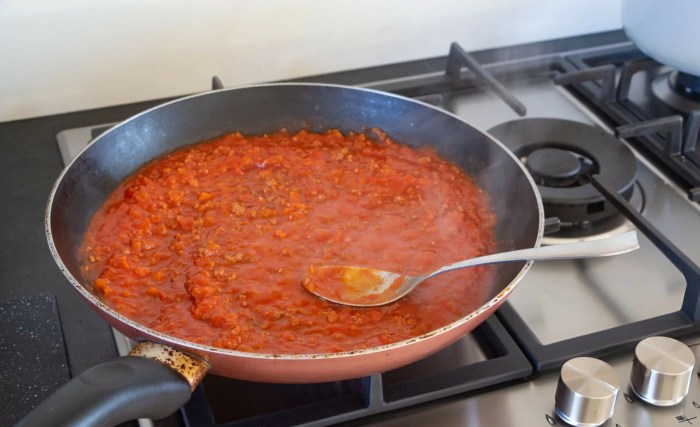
(130, 387)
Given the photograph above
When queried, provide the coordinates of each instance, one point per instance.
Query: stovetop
(505, 372)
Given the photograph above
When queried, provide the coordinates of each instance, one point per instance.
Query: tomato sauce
(210, 242)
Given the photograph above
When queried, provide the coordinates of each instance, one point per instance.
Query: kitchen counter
(29, 164)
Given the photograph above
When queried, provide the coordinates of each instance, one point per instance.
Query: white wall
(69, 55)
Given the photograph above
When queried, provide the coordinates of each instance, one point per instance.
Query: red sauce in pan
(209, 243)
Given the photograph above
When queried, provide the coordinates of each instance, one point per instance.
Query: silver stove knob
(661, 370)
(586, 392)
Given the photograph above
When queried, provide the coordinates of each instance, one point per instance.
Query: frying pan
(161, 372)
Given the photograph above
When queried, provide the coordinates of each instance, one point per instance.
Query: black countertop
(29, 164)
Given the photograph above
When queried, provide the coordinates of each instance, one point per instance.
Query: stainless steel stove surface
(505, 373)
(601, 288)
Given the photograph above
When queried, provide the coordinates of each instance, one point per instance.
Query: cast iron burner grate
(225, 402)
(561, 155)
(654, 108)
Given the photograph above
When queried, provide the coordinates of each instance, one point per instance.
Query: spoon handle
(615, 245)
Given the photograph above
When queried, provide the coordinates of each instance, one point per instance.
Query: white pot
(665, 30)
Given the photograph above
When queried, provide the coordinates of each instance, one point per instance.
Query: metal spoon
(368, 287)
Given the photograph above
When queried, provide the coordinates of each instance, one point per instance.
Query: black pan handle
(152, 382)
(112, 393)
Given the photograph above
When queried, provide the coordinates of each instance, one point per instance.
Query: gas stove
(609, 136)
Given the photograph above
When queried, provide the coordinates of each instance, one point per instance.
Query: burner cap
(680, 91)
(561, 154)
(553, 167)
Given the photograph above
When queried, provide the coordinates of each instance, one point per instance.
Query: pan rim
(201, 349)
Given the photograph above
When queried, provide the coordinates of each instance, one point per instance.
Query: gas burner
(678, 90)
(561, 155)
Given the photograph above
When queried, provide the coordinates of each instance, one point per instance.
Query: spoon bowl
(369, 287)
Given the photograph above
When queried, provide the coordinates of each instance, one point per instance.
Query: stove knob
(662, 370)
(586, 392)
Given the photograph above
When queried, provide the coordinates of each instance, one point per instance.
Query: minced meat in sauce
(210, 242)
